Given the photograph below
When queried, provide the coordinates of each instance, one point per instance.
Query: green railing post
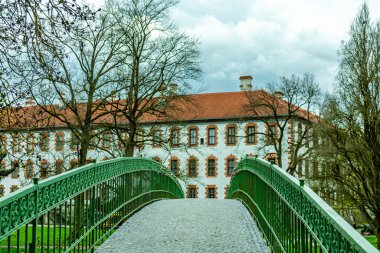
(32, 245)
(114, 190)
(291, 216)
(302, 182)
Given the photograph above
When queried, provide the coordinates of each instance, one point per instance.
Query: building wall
(221, 152)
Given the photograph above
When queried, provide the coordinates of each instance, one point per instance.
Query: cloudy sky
(268, 38)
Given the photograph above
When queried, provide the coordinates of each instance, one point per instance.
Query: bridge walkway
(188, 225)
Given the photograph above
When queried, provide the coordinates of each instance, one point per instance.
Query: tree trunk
(79, 200)
(130, 147)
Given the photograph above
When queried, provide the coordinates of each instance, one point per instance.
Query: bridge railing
(77, 210)
(291, 216)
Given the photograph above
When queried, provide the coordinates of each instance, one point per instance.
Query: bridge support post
(32, 245)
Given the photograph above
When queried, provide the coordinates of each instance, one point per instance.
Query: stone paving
(188, 225)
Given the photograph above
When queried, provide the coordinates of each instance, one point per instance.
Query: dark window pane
(193, 136)
(211, 193)
(211, 136)
(192, 193)
(251, 134)
(231, 135)
(174, 166)
(192, 168)
(174, 137)
(211, 167)
(230, 167)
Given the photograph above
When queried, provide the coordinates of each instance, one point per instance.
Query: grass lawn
(59, 237)
(371, 239)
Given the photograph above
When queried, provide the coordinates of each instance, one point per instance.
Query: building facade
(201, 146)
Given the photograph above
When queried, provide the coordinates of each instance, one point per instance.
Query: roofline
(163, 122)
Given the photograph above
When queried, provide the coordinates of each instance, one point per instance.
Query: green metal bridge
(78, 210)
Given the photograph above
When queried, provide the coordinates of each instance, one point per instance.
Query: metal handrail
(292, 217)
(83, 205)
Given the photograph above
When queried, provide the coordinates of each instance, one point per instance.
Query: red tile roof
(202, 107)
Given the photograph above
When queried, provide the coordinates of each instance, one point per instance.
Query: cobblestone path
(188, 225)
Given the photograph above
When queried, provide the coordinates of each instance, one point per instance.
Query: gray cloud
(268, 39)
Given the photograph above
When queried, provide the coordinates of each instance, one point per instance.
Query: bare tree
(160, 63)
(73, 74)
(19, 22)
(351, 154)
(293, 99)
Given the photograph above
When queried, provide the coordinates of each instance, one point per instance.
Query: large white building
(202, 144)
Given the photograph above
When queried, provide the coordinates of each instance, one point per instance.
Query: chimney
(29, 101)
(173, 88)
(278, 94)
(245, 83)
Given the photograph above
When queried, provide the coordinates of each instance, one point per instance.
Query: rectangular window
(156, 138)
(193, 137)
(272, 134)
(30, 144)
(60, 141)
(192, 168)
(174, 137)
(211, 136)
(29, 173)
(251, 135)
(174, 166)
(16, 147)
(1, 191)
(139, 138)
(192, 193)
(230, 166)
(16, 169)
(231, 135)
(211, 193)
(44, 169)
(14, 188)
(58, 167)
(211, 167)
(44, 142)
(106, 140)
(3, 141)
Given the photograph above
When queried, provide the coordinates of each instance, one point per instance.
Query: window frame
(231, 135)
(106, 140)
(29, 147)
(190, 188)
(61, 164)
(213, 167)
(251, 135)
(193, 136)
(17, 169)
(156, 138)
(271, 135)
(44, 172)
(174, 140)
(176, 162)
(27, 174)
(44, 142)
(211, 136)
(2, 193)
(192, 167)
(60, 143)
(16, 143)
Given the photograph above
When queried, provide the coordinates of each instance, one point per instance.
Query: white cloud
(268, 38)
